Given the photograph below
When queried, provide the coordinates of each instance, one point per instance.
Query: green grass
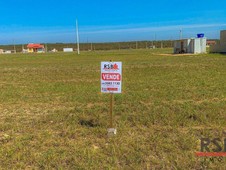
(53, 116)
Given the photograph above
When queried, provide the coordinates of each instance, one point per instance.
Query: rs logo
(212, 148)
(214, 145)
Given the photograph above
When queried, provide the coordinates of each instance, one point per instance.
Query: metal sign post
(111, 109)
(111, 131)
(111, 82)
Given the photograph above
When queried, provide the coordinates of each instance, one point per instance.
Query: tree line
(96, 46)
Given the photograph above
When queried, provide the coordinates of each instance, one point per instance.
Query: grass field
(53, 116)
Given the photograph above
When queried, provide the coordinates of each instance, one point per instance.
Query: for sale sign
(111, 77)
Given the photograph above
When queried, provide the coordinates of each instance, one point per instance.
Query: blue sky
(50, 21)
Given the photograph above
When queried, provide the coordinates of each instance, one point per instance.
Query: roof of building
(35, 46)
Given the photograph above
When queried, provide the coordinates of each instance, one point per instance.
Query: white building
(68, 49)
(8, 52)
(220, 47)
(5, 51)
(192, 45)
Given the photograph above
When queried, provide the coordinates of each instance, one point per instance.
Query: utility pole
(77, 37)
(171, 41)
(87, 44)
(14, 47)
(155, 41)
(136, 45)
(46, 48)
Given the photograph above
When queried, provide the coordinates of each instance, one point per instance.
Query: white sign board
(111, 77)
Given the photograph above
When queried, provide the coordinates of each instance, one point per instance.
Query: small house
(35, 48)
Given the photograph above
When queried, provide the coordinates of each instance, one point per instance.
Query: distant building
(24, 50)
(220, 47)
(68, 49)
(210, 43)
(54, 50)
(192, 45)
(5, 51)
(35, 48)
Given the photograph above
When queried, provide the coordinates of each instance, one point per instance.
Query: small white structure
(8, 52)
(24, 50)
(192, 45)
(220, 47)
(54, 50)
(68, 49)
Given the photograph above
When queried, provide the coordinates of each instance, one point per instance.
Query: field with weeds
(53, 116)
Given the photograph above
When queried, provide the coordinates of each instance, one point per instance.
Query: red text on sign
(111, 77)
